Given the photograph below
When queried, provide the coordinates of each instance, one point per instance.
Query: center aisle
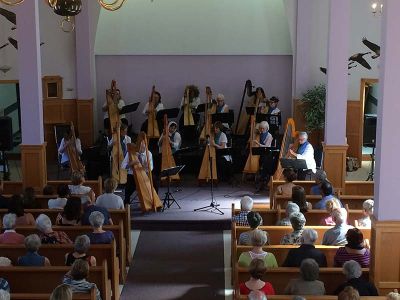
(177, 265)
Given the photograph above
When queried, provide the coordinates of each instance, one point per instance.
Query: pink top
(11, 237)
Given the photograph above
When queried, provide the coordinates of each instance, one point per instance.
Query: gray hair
(257, 295)
(265, 125)
(303, 134)
(297, 297)
(96, 219)
(221, 96)
(9, 221)
(352, 269)
(292, 208)
(82, 244)
(32, 243)
(320, 175)
(368, 206)
(5, 262)
(297, 220)
(246, 203)
(309, 269)
(259, 238)
(4, 295)
(339, 216)
(309, 236)
(43, 223)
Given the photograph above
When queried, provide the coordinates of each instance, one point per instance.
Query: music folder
(292, 163)
(223, 152)
(171, 171)
(171, 113)
(223, 117)
(129, 108)
(263, 150)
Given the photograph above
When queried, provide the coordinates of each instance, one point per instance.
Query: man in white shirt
(306, 152)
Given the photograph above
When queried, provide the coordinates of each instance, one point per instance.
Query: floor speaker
(6, 134)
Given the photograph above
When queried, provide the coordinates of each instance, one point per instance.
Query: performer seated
(65, 142)
(157, 105)
(120, 104)
(224, 163)
(266, 160)
(221, 106)
(124, 139)
(306, 152)
(262, 100)
(130, 186)
(190, 133)
(174, 137)
(273, 106)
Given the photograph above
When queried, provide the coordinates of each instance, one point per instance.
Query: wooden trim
(335, 164)
(9, 81)
(33, 165)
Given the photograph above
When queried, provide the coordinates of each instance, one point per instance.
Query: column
(33, 148)
(385, 263)
(335, 145)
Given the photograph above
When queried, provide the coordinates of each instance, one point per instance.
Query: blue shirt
(101, 238)
(322, 203)
(315, 190)
(336, 236)
(31, 259)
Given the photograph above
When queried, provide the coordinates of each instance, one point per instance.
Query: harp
(74, 160)
(152, 125)
(187, 112)
(253, 161)
(167, 159)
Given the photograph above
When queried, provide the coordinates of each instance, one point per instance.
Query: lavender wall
(170, 73)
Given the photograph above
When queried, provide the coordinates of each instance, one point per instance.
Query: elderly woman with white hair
(10, 236)
(336, 236)
(246, 205)
(353, 272)
(32, 257)
(368, 211)
(306, 250)
(297, 220)
(304, 151)
(81, 247)
(290, 209)
(47, 234)
(308, 283)
(99, 236)
(258, 239)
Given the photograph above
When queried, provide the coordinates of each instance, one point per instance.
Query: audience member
(320, 177)
(308, 283)
(16, 207)
(299, 197)
(59, 202)
(32, 257)
(258, 239)
(393, 295)
(368, 211)
(306, 250)
(4, 285)
(327, 194)
(255, 220)
(330, 206)
(5, 262)
(110, 200)
(297, 220)
(10, 236)
(29, 198)
(3, 200)
(71, 214)
(257, 270)
(99, 236)
(286, 189)
(47, 235)
(257, 295)
(4, 295)
(354, 250)
(77, 188)
(246, 205)
(336, 236)
(61, 292)
(48, 190)
(91, 208)
(352, 271)
(81, 247)
(290, 208)
(349, 293)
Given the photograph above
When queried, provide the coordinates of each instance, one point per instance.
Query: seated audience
(286, 189)
(393, 295)
(61, 200)
(336, 236)
(3, 200)
(290, 209)
(71, 214)
(81, 247)
(48, 190)
(349, 293)
(308, 283)
(32, 257)
(99, 236)
(320, 177)
(255, 220)
(258, 239)
(91, 208)
(110, 200)
(4, 295)
(257, 270)
(294, 238)
(257, 295)
(76, 278)
(61, 292)
(368, 211)
(5, 262)
(354, 250)
(352, 271)
(306, 250)
(16, 207)
(246, 205)
(299, 197)
(327, 194)
(9, 236)
(330, 206)
(4, 285)
(47, 235)
(29, 198)
(77, 188)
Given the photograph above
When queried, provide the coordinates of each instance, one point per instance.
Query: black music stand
(263, 150)
(228, 117)
(129, 108)
(169, 198)
(275, 120)
(171, 113)
(292, 163)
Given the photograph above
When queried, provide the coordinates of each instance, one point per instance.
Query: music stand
(129, 108)
(291, 163)
(171, 113)
(263, 150)
(250, 110)
(228, 117)
(275, 120)
(169, 198)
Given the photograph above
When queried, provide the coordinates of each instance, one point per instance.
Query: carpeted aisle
(177, 265)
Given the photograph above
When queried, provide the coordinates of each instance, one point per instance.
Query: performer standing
(224, 163)
(65, 142)
(174, 137)
(157, 105)
(306, 152)
(189, 121)
(120, 104)
(273, 106)
(124, 138)
(262, 100)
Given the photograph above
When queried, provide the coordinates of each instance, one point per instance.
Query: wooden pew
(75, 296)
(325, 297)
(42, 280)
(56, 255)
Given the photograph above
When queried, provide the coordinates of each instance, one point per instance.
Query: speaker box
(6, 134)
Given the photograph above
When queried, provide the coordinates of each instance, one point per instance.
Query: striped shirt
(81, 286)
(342, 256)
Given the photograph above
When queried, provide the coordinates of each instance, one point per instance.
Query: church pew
(56, 255)
(75, 296)
(324, 297)
(37, 280)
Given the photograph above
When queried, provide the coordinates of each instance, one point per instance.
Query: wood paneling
(353, 128)
(33, 165)
(298, 115)
(335, 165)
(85, 121)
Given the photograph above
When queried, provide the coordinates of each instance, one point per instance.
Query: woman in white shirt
(157, 105)
(63, 193)
(78, 189)
(120, 105)
(224, 163)
(65, 142)
(110, 200)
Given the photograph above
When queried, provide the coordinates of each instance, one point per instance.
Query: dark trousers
(130, 186)
(224, 169)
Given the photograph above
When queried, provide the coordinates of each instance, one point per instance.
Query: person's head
(292, 208)
(4, 295)
(332, 204)
(264, 126)
(16, 206)
(303, 137)
(257, 268)
(123, 129)
(220, 100)
(273, 102)
(309, 236)
(309, 269)
(110, 184)
(43, 223)
(289, 174)
(96, 219)
(393, 295)
(218, 127)
(339, 216)
(257, 295)
(352, 269)
(82, 244)
(297, 220)
(29, 193)
(260, 94)
(172, 127)
(368, 207)
(299, 197)
(48, 190)
(32, 243)
(193, 91)
(254, 219)
(156, 97)
(259, 238)
(4, 286)
(349, 293)
(77, 178)
(79, 269)
(246, 203)
(63, 190)
(9, 221)
(61, 292)
(320, 176)
(5, 262)
(72, 209)
(326, 188)
(355, 238)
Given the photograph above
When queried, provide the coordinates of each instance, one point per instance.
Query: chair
(59, 132)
